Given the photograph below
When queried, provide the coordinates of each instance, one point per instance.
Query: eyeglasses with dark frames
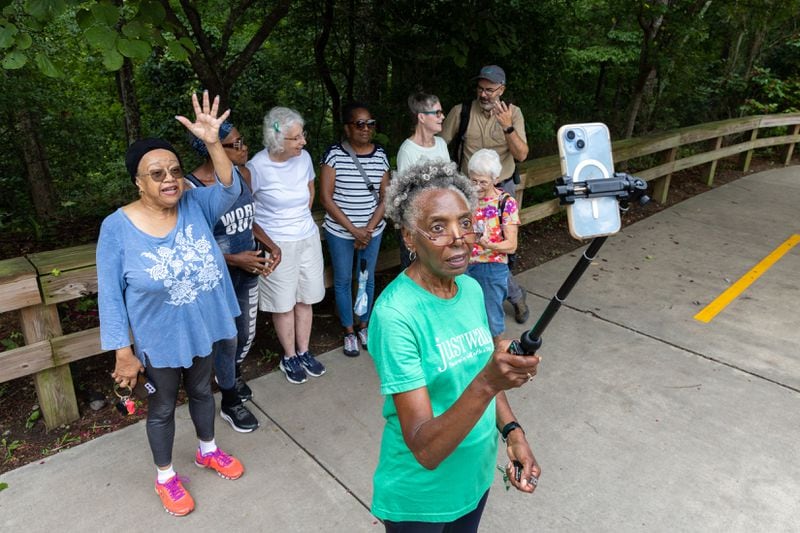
(363, 124)
(237, 145)
(489, 91)
(448, 239)
(159, 174)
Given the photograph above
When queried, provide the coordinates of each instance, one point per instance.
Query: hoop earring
(412, 255)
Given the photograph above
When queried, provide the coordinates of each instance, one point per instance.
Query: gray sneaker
(351, 345)
(362, 336)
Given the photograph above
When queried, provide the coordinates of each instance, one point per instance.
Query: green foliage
(14, 340)
(8, 447)
(773, 95)
(34, 417)
(570, 61)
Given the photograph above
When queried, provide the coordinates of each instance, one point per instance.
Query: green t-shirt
(420, 340)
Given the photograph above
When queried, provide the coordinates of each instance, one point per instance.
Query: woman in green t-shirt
(443, 380)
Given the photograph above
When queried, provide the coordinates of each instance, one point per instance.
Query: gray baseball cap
(493, 73)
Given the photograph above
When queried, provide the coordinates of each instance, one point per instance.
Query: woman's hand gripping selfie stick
(625, 188)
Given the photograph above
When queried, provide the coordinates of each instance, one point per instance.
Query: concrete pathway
(642, 418)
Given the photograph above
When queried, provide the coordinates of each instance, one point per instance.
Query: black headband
(138, 149)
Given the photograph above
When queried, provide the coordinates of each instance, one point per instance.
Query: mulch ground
(23, 437)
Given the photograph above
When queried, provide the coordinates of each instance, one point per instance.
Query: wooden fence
(35, 284)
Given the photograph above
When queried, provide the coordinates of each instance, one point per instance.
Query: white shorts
(298, 278)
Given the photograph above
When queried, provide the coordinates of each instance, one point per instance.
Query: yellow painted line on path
(722, 301)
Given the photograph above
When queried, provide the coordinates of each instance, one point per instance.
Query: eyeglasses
(489, 91)
(437, 112)
(363, 124)
(481, 183)
(159, 174)
(296, 138)
(448, 239)
(237, 145)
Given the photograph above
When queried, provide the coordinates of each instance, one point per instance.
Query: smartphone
(585, 153)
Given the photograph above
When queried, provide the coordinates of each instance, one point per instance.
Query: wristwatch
(508, 130)
(508, 428)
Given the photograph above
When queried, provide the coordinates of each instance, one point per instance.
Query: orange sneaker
(225, 465)
(176, 500)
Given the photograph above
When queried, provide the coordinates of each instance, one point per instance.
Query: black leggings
(466, 524)
(161, 405)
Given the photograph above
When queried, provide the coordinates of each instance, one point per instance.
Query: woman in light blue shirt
(164, 295)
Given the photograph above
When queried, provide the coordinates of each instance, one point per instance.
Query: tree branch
(238, 65)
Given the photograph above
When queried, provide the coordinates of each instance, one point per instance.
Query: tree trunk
(36, 166)
(130, 105)
(322, 64)
(645, 80)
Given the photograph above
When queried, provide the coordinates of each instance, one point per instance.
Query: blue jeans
(342, 252)
(493, 278)
(231, 352)
(515, 294)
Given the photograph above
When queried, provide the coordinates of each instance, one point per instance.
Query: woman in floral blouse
(497, 219)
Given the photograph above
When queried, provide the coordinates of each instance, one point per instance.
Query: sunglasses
(237, 145)
(437, 112)
(363, 124)
(158, 175)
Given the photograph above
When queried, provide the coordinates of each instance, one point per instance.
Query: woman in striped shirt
(353, 177)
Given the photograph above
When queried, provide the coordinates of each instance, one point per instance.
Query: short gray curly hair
(276, 122)
(405, 188)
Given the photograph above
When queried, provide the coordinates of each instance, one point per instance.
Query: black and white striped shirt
(350, 192)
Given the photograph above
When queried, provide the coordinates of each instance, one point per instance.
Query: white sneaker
(351, 345)
(362, 336)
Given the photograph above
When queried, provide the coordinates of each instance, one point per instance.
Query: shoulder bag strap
(463, 123)
(354, 157)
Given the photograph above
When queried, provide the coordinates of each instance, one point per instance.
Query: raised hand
(206, 124)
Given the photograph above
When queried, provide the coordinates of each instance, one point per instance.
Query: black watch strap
(508, 428)
(508, 130)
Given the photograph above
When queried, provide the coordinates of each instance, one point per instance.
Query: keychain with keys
(125, 405)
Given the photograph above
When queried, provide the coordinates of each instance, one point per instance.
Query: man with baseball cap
(497, 125)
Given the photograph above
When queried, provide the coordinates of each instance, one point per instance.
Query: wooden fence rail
(34, 285)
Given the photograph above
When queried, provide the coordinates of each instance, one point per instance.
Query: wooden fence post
(520, 190)
(749, 156)
(713, 168)
(661, 187)
(54, 387)
(790, 149)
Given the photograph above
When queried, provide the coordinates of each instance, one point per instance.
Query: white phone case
(585, 152)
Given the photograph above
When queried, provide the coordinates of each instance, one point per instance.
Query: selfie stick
(622, 186)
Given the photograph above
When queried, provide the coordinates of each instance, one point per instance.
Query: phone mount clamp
(626, 189)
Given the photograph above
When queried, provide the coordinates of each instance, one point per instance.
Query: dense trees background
(79, 80)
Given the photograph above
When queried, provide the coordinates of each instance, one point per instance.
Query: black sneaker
(244, 392)
(312, 367)
(239, 417)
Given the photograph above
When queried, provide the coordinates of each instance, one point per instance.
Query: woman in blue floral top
(164, 296)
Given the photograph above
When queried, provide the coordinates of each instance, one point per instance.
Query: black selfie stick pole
(625, 188)
(530, 341)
